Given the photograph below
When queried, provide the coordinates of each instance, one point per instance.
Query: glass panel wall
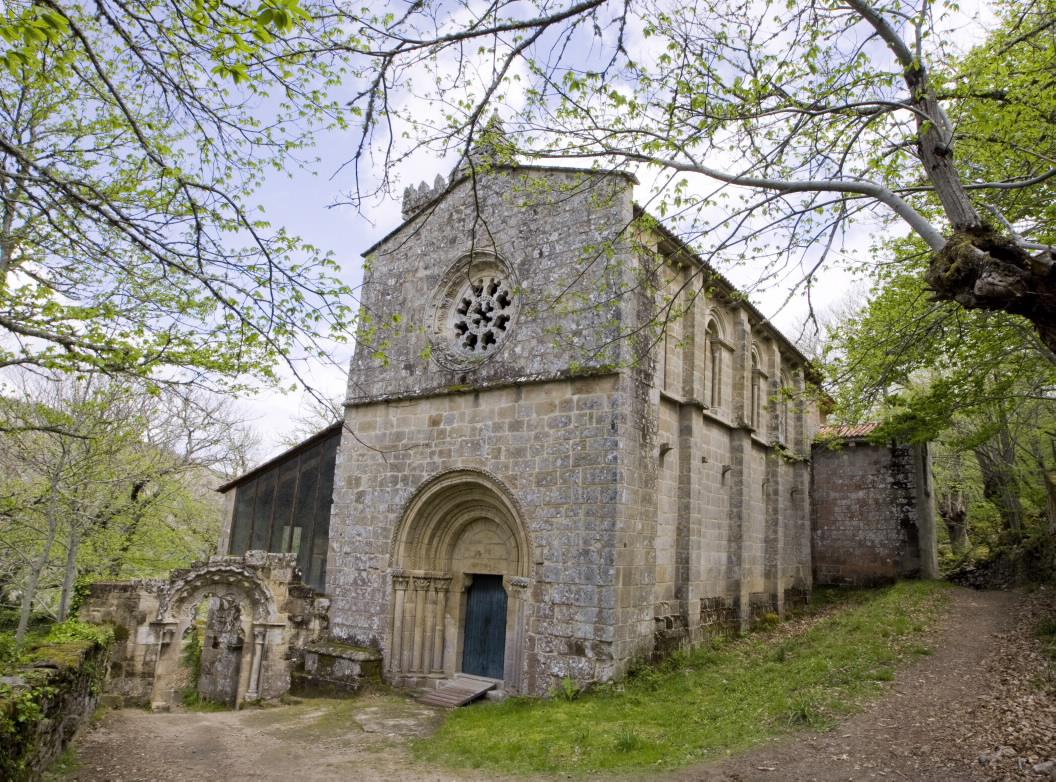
(284, 507)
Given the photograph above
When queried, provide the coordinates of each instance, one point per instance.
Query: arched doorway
(460, 576)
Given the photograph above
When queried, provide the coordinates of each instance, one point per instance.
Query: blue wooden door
(484, 644)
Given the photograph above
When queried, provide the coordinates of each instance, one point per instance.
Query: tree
(132, 140)
(769, 126)
(976, 383)
(105, 479)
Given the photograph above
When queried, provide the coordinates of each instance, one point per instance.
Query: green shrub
(568, 690)
(72, 630)
(8, 651)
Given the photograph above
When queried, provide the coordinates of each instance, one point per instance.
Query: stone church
(569, 446)
(567, 441)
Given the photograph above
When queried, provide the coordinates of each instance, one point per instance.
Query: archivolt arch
(447, 505)
(220, 580)
(716, 325)
(459, 531)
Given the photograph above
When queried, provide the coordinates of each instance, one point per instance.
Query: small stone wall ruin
(260, 617)
(874, 520)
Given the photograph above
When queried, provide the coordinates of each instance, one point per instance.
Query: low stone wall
(44, 704)
(334, 668)
(129, 607)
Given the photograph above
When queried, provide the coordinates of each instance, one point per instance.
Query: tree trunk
(69, 578)
(978, 268)
(955, 516)
(999, 486)
(1049, 478)
(37, 567)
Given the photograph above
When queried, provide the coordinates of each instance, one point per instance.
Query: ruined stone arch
(258, 618)
(460, 525)
(234, 580)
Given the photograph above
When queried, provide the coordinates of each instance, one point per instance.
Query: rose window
(474, 311)
(482, 315)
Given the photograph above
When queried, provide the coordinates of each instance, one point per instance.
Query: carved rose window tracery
(475, 309)
(482, 315)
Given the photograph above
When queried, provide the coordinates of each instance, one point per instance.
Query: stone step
(458, 691)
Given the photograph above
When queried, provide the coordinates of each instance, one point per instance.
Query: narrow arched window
(757, 393)
(714, 358)
(784, 409)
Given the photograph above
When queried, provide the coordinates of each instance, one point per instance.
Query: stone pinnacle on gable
(491, 147)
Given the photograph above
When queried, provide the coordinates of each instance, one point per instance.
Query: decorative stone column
(517, 599)
(256, 663)
(421, 590)
(409, 618)
(428, 626)
(440, 587)
(399, 597)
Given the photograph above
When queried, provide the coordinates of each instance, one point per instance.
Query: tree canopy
(133, 138)
(979, 384)
(105, 479)
(769, 126)
(136, 133)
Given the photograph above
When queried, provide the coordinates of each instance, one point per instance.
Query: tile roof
(848, 431)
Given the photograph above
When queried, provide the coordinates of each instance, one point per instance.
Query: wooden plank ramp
(458, 691)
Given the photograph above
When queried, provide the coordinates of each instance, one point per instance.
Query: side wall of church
(734, 426)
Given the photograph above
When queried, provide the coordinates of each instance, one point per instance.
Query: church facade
(569, 445)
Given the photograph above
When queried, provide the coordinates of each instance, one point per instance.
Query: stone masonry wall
(873, 521)
(555, 446)
(558, 233)
(732, 508)
(44, 705)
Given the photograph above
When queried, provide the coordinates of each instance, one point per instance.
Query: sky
(304, 203)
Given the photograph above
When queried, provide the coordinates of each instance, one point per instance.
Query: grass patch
(720, 698)
(64, 765)
(192, 700)
(1046, 633)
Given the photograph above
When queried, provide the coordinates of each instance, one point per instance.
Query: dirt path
(317, 739)
(971, 711)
